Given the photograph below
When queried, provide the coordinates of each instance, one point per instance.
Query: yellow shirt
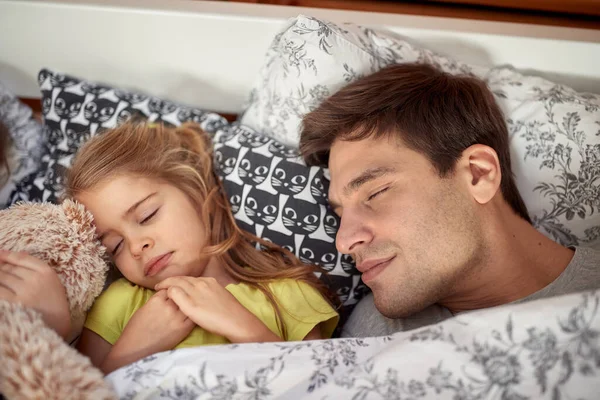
(302, 308)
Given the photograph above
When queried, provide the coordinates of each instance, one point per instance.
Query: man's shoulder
(582, 273)
(367, 321)
(587, 255)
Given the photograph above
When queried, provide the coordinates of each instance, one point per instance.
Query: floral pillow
(555, 150)
(75, 109)
(554, 131)
(309, 60)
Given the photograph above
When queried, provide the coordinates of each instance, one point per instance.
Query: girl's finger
(10, 281)
(179, 297)
(15, 270)
(22, 259)
(6, 292)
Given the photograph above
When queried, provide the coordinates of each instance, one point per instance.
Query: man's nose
(353, 233)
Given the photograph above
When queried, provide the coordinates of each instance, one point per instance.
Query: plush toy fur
(35, 362)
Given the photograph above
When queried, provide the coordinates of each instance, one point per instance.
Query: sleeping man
(421, 178)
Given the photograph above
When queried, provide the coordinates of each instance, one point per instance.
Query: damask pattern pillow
(555, 149)
(75, 109)
(554, 131)
(277, 197)
(27, 142)
(309, 60)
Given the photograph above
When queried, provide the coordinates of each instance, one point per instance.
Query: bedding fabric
(554, 130)
(544, 349)
(28, 143)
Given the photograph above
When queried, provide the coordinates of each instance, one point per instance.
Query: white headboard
(207, 53)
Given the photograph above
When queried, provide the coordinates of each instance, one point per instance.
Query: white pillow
(311, 59)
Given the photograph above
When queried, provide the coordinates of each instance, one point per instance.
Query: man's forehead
(348, 159)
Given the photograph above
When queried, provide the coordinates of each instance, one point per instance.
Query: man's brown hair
(434, 113)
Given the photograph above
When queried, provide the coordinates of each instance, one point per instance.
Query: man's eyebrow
(130, 210)
(367, 176)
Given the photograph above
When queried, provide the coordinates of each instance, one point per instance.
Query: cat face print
(99, 110)
(68, 105)
(76, 134)
(225, 159)
(289, 178)
(234, 194)
(191, 115)
(158, 106)
(348, 264)
(130, 97)
(319, 186)
(319, 252)
(254, 168)
(94, 88)
(331, 222)
(249, 138)
(281, 239)
(60, 80)
(300, 217)
(261, 207)
(283, 151)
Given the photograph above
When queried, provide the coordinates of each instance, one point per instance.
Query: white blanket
(546, 349)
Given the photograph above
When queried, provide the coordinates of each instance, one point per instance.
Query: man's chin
(391, 307)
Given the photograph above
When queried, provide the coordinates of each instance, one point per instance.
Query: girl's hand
(30, 281)
(212, 307)
(157, 326)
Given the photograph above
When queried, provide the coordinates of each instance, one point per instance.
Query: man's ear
(480, 167)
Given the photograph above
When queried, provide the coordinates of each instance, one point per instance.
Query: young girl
(192, 277)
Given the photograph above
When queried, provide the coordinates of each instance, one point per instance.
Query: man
(421, 178)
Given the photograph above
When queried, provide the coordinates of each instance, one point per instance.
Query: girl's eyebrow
(129, 211)
(137, 204)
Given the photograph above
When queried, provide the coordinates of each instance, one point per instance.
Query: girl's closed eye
(149, 217)
(116, 248)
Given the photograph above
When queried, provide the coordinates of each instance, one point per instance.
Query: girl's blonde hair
(182, 157)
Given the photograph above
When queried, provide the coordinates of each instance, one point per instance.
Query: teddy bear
(35, 362)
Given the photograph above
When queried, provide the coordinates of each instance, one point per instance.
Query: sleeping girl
(191, 276)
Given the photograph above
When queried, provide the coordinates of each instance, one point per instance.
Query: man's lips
(371, 268)
(156, 264)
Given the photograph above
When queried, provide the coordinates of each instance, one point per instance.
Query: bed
(93, 63)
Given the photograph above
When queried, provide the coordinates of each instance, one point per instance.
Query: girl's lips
(157, 264)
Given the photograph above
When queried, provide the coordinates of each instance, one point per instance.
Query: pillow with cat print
(274, 195)
(75, 109)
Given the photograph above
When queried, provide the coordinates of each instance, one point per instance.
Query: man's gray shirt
(582, 273)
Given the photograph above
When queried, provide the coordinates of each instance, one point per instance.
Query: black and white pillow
(75, 109)
(277, 197)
